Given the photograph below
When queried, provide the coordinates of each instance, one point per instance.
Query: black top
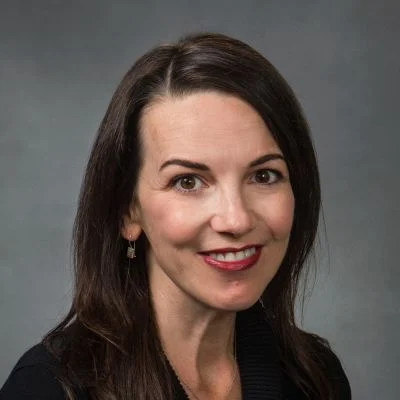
(261, 374)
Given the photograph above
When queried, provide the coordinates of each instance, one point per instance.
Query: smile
(231, 260)
(234, 256)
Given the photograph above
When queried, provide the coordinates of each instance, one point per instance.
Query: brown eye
(187, 183)
(266, 177)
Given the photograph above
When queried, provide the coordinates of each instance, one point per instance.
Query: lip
(239, 265)
(230, 249)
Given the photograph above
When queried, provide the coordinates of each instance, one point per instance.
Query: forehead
(192, 125)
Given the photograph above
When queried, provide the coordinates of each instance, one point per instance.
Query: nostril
(232, 223)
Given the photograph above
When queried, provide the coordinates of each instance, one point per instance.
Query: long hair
(109, 340)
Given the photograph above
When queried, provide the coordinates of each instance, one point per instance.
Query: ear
(131, 227)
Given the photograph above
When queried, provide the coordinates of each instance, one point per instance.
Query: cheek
(170, 220)
(279, 215)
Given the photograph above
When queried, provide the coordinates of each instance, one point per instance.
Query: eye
(187, 183)
(266, 176)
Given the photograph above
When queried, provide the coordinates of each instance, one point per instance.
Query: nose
(232, 216)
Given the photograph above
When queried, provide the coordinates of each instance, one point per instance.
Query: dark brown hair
(108, 343)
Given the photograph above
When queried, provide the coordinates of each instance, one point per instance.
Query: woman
(197, 213)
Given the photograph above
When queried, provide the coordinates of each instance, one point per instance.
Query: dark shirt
(261, 374)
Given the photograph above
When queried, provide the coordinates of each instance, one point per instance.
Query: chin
(237, 303)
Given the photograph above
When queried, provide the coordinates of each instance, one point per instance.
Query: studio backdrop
(61, 61)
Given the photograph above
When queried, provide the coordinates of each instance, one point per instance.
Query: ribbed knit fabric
(261, 374)
(257, 357)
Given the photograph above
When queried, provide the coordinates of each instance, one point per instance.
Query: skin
(230, 205)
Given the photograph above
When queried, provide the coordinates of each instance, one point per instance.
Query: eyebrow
(265, 158)
(203, 167)
(185, 163)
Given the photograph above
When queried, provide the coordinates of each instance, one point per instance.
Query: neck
(198, 341)
(205, 334)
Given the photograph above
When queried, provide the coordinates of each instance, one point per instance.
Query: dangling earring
(131, 251)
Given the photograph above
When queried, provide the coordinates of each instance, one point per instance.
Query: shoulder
(34, 376)
(328, 363)
(331, 364)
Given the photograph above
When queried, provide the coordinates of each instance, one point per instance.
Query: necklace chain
(229, 388)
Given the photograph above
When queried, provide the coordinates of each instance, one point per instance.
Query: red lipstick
(234, 265)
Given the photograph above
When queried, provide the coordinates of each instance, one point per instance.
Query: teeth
(234, 256)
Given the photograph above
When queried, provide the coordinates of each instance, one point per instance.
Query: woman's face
(214, 200)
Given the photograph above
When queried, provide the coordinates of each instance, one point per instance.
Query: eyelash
(178, 178)
(278, 176)
(174, 182)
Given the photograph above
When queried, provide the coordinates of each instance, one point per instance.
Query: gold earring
(131, 250)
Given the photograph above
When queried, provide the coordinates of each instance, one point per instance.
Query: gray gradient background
(59, 64)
